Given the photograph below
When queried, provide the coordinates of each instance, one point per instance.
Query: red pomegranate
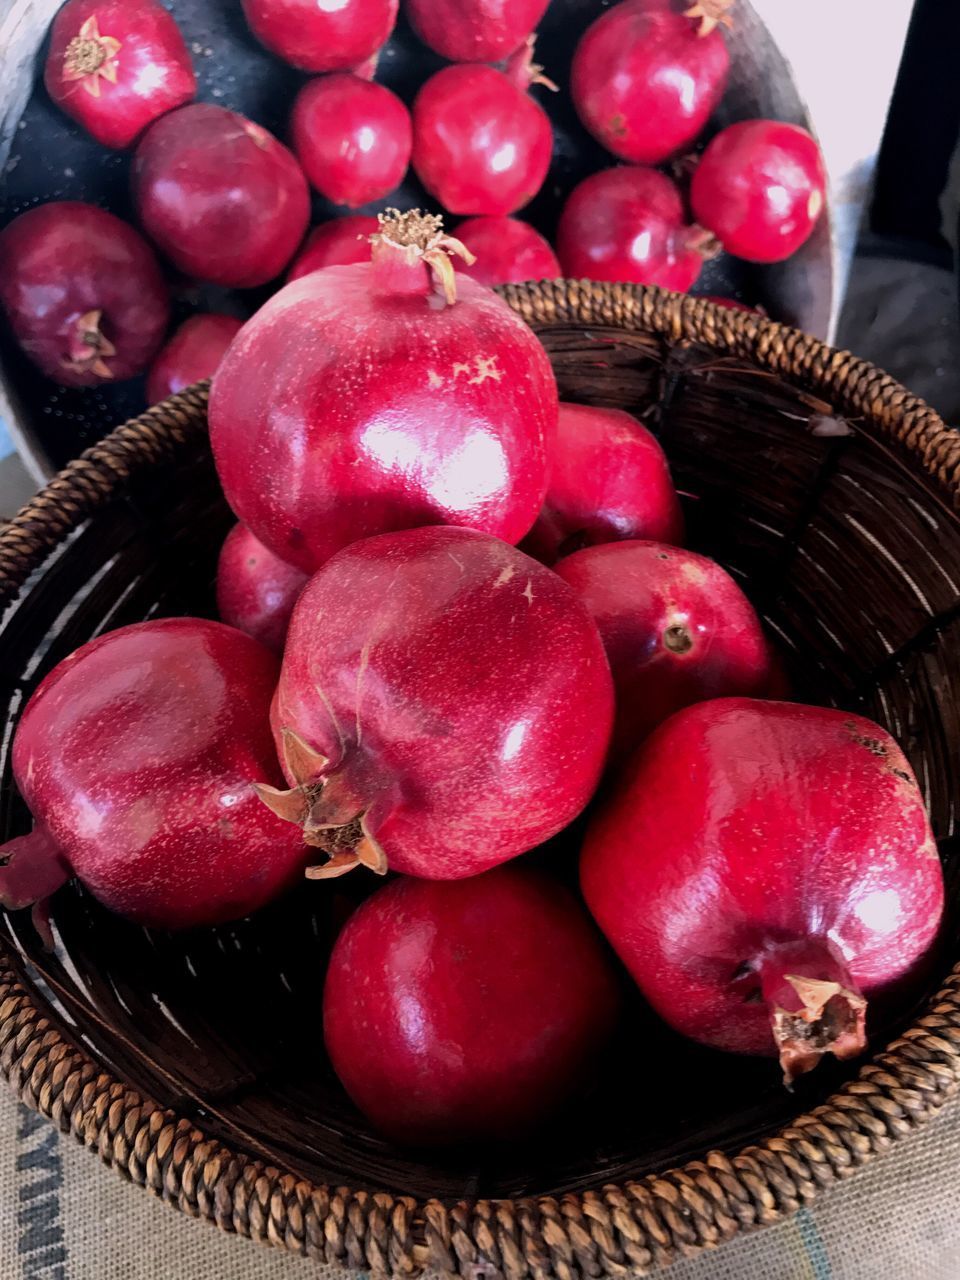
(474, 30)
(468, 1011)
(645, 79)
(506, 250)
(610, 481)
(192, 354)
(220, 196)
(676, 627)
(480, 142)
(337, 243)
(417, 407)
(83, 293)
(256, 590)
(136, 756)
(732, 304)
(760, 187)
(332, 35)
(444, 704)
(352, 137)
(115, 66)
(764, 869)
(629, 224)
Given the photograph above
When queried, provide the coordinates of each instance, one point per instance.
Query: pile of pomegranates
(398, 690)
(457, 615)
(227, 203)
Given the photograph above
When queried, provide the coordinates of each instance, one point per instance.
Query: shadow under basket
(194, 1063)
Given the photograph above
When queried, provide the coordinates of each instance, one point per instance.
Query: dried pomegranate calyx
(421, 238)
(88, 349)
(328, 810)
(90, 56)
(710, 14)
(830, 1019)
(522, 71)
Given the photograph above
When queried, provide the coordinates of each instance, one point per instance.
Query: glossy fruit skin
(474, 30)
(628, 224)
(64, 261)
(137, 754)
(468, 1011)
(256, 590)
(327, 37)
(459, 692)
(506, 250)
(220, 196)
(676, 627)
(340, 242)
(760, 187)
(192, 354)
(352, 137)
(480, 143)
(645, 82)
(315, 442)
(748, 840)
(610, 481)
(732, 304)
(144, 68)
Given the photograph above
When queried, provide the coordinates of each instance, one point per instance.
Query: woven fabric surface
(69, 1218)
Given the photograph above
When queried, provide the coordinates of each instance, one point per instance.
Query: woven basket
(192, 1064)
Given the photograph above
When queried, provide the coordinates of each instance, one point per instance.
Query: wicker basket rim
(640, 1225)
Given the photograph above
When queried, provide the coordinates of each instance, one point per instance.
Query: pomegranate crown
(421, 236)
(710, 14)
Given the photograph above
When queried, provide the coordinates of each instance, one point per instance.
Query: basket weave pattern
(612, 1230)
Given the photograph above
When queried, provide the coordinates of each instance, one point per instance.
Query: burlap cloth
(67, 1217)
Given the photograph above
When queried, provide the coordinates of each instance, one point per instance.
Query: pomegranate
(220, 196)
(470, 1011)
(676, 627)
(506, 250)
(417, 407)
(762, 869)
(480, 142)
(629, 224)
(352, 137)
(330, 35)
(731, 303)
(256, 590)
(337, 243)
(115, 66)
(136, 756)
(645, 80)
(610, 481)
(83, 293)
(444, 704)
(192, 354)
(760, 188)
(475, 30)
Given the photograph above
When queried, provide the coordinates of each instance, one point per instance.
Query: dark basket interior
(847, 554)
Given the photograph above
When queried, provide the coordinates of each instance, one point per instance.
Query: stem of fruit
(521, 70)
(814, 1004)
(411, 255)
(32, 867)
